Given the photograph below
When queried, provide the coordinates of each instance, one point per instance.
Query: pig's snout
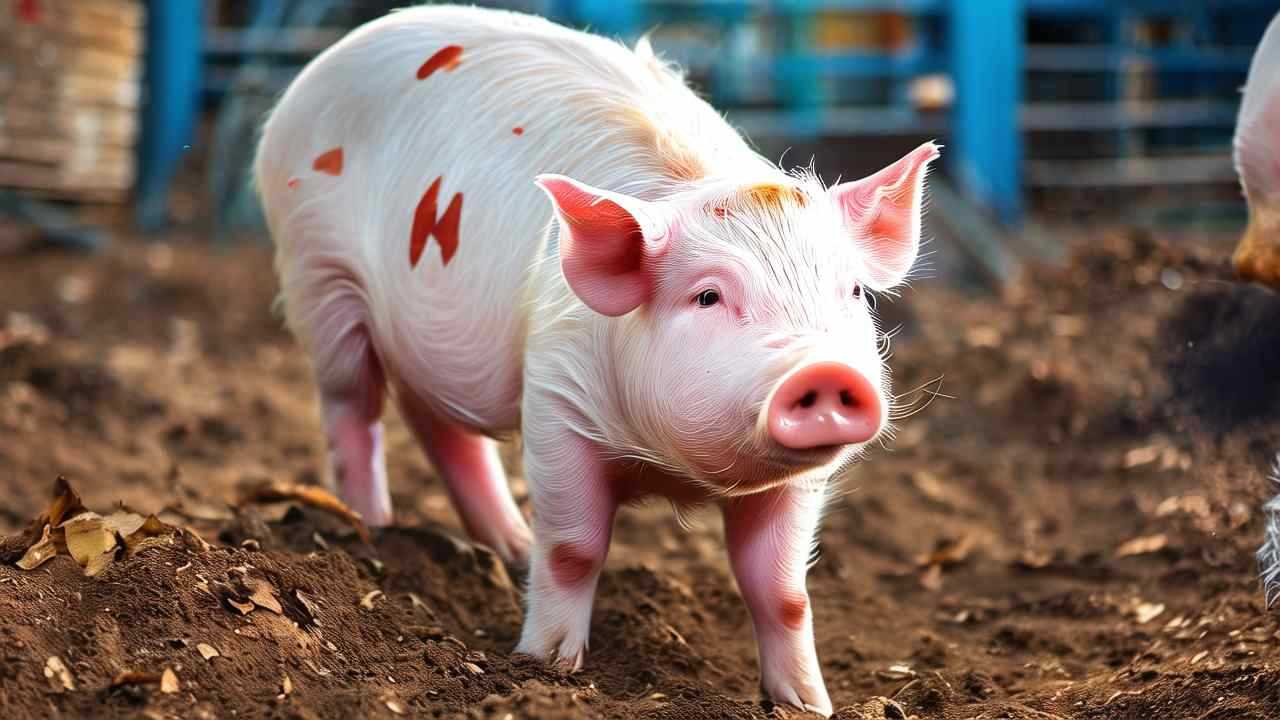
(824, 404)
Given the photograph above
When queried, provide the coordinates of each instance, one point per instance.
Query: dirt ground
(1069, 534)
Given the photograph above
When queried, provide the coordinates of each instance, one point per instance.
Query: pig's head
(742, 345)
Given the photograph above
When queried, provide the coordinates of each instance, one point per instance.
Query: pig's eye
(857, 292)
(707, 298)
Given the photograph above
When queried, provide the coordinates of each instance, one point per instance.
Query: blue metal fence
(1046, 93)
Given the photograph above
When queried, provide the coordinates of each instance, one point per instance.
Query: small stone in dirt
(208, 652)
(55, 670)
(169, 682)
(286, 685)
(396, 707)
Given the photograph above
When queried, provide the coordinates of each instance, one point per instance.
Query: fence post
(174, 54)
(986, 46)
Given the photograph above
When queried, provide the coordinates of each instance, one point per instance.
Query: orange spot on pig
(446, 58)
(517, 130)
(28, 11)
(426, 224)
(720, 212)
(774, 196)
(570, 566)
(293, 183)
(330, 162)
(792, 610)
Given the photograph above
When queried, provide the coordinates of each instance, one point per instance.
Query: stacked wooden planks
(70, 89)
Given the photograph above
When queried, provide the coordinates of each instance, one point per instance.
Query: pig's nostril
(846, 398)
(808, 400)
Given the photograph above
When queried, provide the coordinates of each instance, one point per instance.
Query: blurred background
(1054, 113)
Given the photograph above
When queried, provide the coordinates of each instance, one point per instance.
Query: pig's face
(747, 353)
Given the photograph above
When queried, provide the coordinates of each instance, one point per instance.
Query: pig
(509, 226)
(1257, 162)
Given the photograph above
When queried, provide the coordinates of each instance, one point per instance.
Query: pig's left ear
(882, 213)
(608, 244)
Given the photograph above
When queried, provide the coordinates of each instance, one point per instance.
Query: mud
(1068, 533)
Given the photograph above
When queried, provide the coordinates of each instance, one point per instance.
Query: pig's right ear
(608, 243)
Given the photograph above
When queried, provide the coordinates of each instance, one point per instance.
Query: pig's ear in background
(1257, 139)
(608, 242)
(882, 214)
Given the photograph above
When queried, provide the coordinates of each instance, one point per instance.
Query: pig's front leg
(770, 536)
(573, 509)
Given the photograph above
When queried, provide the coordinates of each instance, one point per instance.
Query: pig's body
(455, 335)
(681, 319)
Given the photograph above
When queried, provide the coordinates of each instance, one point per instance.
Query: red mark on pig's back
(293, 183)
(426, 224)
(28, 11)
(329, 162)
(570, 565)
(517, 131)
(446, 58)
(792, 610)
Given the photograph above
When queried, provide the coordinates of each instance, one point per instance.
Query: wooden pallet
(70, 89)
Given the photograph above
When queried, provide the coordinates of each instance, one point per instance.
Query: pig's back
(525, 97)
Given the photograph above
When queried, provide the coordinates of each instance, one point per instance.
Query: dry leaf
(309, 605)
(896, 672)
(472, 668)
(264, 595)
(366, 602)
(40, 553)
(950, 553)
(1033, 559)
(89, 541)
(1142, 545)
(123, 523)
(396, 707)
(1141, 456)
(1146, 612)
(152, 532)
(244, 608)
(66, 503)
(208, 652)
(55, 669)
(316, 497)
(286, 685)
(169, 682)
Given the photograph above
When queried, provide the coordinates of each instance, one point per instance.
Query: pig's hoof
(803, 696)
(568, 657)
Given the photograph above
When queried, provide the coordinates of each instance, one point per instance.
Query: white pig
(1257, 162)
(519, 227)
(1257, 257)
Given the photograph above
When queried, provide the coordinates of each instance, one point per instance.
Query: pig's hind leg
(352, 393)
(473, 473)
